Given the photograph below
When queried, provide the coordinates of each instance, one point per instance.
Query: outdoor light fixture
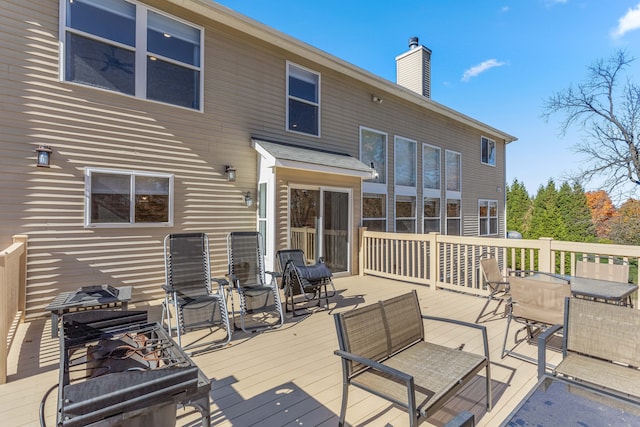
(230, 171)
(374, 172)
(376, 99)
(43, 156)
(248, 200)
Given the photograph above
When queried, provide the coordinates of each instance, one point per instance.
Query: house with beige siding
(165, 116)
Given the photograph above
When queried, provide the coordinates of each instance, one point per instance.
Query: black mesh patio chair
(260, 306)
(298, 278)
(188, 289)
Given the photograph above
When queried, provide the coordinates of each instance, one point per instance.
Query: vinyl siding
(244, 97)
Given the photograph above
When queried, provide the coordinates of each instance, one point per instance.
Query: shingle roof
(287, 155)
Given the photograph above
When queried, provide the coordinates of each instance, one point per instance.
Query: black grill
(116, 368)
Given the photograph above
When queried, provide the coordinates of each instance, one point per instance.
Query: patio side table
(87, 298)
(561, 402)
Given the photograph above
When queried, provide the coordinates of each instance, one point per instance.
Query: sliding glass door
(319, 225)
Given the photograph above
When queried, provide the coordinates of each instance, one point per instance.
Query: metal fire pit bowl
(116, 369)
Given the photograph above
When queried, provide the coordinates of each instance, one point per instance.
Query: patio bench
(383, 351)
(601, 346)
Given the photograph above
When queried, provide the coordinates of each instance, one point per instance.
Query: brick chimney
(413, 68)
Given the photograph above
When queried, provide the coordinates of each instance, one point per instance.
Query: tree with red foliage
(602, 210)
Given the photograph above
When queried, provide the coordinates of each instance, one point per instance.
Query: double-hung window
(125, 47)
(488, 217)
(453, 171)
(127, 198)
(303, 100)
(488, 151)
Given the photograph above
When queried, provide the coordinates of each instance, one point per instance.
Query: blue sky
(496, 61)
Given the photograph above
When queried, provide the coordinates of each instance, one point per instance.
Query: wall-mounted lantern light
(374, 172)
(248, 200)
(43, 156)
(230, 171)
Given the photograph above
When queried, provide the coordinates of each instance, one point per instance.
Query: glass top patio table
(560, 402)
(607, 290)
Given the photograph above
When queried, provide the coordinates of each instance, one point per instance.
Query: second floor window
(488, 151)
(405, 156)
(125, 47)
(303, 100)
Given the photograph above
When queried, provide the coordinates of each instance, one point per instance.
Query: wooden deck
(290, 376)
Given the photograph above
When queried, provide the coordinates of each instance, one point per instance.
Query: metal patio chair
(260, 306)
(298, 278)
(497, 283)
(196, 303)
(537, 302)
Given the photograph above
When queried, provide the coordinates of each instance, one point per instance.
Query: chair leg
(504, 344)
(343, 406)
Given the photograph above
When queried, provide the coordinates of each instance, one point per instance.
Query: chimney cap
(413, 42)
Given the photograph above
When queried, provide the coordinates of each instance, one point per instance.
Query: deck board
(290, 376)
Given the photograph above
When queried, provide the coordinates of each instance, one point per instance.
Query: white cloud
(629, 22)
(481, 68)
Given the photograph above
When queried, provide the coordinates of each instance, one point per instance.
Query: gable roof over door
(308, 159)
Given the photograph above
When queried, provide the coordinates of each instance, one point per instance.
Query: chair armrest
(405, 378)
(274, 276)
(482, 328)
(543, 339)
(220, 281)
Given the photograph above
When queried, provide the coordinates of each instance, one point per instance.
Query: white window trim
(488, 217)
(432, 192)
(131, 223)
(376, 187)
(140, 54)
(405, 190)
(439, 217)
(415, 212)
(447, 217)
(385, 210)
(495, 148)
(318, 104)
(452, 194)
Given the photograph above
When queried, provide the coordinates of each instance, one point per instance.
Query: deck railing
(452, 262)
(13, 268)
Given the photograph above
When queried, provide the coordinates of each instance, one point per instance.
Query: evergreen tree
(574, 209)
(546, 219)
(519, 206)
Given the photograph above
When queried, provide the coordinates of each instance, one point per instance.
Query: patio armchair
(383, 351)
(259, 298)
(600, 347)
(537, 303)
(188, 289)
(497, 283)
(604, 268)
(298, 278)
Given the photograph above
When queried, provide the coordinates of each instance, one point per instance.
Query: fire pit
(118, 369)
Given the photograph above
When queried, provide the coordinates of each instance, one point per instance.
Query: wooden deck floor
(290, 376)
